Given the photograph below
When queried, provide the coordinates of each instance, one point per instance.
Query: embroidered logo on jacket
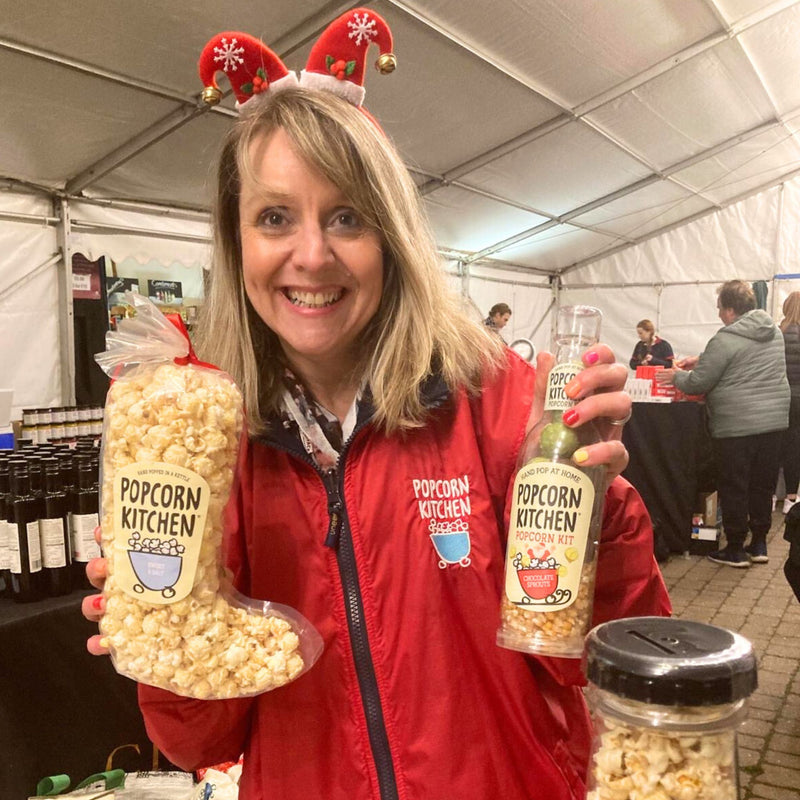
(445, 504)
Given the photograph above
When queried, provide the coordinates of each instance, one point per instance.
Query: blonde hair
(791, 311)
(420, 326)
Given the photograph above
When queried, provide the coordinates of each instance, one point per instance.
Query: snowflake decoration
(362, 29)
(229, 54)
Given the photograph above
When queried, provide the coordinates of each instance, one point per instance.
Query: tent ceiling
(543, 134)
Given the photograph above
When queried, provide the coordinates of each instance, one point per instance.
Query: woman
(790, 327)
(650, 350)
(329, 290)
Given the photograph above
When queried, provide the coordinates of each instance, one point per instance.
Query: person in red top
(378, 411)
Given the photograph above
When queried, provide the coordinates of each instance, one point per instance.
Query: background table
(671, 462)
(61, 709)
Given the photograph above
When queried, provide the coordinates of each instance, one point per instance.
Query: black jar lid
(670, 662)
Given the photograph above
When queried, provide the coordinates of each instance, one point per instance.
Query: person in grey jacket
(742, 372)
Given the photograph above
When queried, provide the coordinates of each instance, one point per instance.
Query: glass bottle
(54, 531)
(85, 506)
(27, 579)
(666, 697)
(556, 514)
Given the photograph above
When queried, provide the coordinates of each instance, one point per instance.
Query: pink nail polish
(590, 358)
(97, 602)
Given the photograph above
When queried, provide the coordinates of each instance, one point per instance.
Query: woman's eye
(272, 218)
(346, 219)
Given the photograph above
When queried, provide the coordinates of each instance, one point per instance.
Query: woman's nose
(312, 248)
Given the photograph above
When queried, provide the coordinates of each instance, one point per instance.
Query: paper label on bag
(551, 514)
(559, 377)
(159, 517)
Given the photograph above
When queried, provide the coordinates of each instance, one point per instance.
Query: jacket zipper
(338, 537)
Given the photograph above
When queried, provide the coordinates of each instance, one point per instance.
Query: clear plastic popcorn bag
(169, 451)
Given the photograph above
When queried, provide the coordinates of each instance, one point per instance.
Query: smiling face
(312, 269)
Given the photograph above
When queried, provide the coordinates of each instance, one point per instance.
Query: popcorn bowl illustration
(451, 542)
(156, 571)
(538, 583)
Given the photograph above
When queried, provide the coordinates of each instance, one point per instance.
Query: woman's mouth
(305, 299)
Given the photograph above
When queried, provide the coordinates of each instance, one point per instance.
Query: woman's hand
(93, 606)
(599, 390)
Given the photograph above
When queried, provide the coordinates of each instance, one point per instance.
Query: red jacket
(411, 697)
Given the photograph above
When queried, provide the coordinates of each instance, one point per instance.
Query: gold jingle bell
(386, 63)
(211, 95)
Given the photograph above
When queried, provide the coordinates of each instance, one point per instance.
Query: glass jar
(667, 697)
(556, 514)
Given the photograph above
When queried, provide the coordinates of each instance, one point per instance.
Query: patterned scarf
(321, 432)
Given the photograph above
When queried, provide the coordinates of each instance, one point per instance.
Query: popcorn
(201, 646)
(635, 763)
(552, 627)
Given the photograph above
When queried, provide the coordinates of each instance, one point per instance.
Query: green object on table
(113, 778)
(52, 785)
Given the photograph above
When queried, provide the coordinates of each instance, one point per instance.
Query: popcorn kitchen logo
(445, 503)
(160, 507)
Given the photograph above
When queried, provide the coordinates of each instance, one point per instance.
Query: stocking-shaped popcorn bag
(170, 442)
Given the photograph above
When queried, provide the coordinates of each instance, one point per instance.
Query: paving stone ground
(758, 603)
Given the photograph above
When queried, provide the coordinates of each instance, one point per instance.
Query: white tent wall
(672, 278)
(528, 296)
(148, 242)
(30, 311)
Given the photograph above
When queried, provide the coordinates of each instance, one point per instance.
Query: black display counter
(62, 710)
(671, 462)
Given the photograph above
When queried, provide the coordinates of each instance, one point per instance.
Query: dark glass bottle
(85, 506)
(6, 529)
(54, 532)
(27, 578)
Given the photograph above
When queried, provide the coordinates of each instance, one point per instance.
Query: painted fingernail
(579, 456)
(590, 357)
(573, 388)
(570, 416)
(97, 602)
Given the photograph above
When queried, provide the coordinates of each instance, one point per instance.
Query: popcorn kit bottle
(556, 512)
(666, 696)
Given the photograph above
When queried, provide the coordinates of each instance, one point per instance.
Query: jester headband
(336, 63)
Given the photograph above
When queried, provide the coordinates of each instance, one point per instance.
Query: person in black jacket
(650, 350)
(790, 327)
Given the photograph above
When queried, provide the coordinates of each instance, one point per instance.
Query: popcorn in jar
(667, 697)
(170, 444)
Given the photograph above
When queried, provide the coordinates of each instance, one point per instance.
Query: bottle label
(14, 559)
(159, 518)
(5, 553)
(84, 545)
(551, 514)
(51, 534)
(34, 547)
(560, 376)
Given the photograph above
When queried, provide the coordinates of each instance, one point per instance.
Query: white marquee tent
(628, 153)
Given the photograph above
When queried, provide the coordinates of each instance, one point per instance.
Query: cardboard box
(704, 540)
(707, 505)
(656, 389)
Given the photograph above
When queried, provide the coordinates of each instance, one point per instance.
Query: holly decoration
(260, 83)
(339, 68)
